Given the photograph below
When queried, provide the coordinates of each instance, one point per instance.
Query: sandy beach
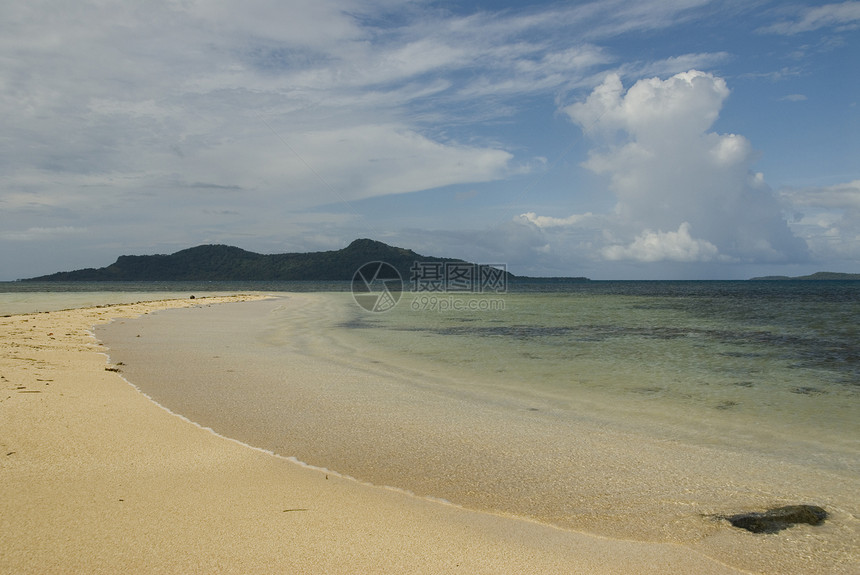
(97, 478)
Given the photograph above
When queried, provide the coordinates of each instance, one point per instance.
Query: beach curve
(99, 478)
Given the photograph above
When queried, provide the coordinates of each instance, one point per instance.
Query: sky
(656, 139)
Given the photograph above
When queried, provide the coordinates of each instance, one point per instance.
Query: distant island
(228, 263)
(817, 276)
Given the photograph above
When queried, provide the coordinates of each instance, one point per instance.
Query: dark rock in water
(192, 297)
(775, 520)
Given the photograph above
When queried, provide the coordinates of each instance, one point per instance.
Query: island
(229, 263)
(817, 276)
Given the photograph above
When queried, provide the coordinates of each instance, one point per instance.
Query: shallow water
(633, 415)
(735, 367)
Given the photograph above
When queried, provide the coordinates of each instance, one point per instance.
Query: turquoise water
(712, 360)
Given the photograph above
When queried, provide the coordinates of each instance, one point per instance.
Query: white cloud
(551, 222)
(189, 88)
(841, 196)
(396, 160)
(676, 64)
(677, 246)
(620, 16)
(842, 16)
(179, 114)
(667, 171)
(653, 109)
(41, 234)
(828, 219)
(294, 23)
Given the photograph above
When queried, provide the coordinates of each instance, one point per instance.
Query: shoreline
(301, 382)
(101, 479)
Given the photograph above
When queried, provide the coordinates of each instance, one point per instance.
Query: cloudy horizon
(688, 139)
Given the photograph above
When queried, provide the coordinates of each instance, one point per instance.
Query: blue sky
(658, 139)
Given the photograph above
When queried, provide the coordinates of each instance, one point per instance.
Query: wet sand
(284, 375)
(99, 479)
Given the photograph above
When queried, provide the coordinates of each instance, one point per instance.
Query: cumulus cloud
(667, 171)
(677, 246)
(652, 109)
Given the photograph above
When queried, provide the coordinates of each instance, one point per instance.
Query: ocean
(637, 410)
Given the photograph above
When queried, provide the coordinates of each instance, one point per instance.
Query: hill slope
(228, 263)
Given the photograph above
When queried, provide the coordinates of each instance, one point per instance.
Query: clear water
(750, 363)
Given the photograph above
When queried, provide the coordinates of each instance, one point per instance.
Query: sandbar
(97, 478)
